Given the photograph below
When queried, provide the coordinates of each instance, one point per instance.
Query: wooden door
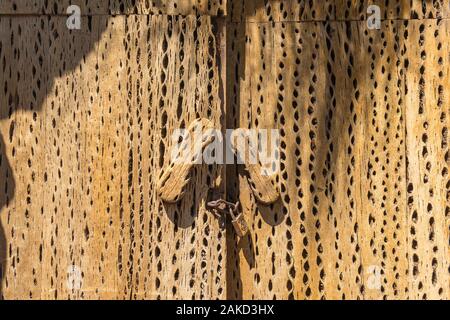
(86, 124)
(363, 117)
(87, 118)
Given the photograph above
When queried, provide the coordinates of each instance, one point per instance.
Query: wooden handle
(263, 185)
(175, 177)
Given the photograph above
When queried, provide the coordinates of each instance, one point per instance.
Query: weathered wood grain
(23, 43)
(239, 10)
(382, 221)
(332, 10)
(105, 7)
(186, 241)
(86, 129)
(360, 193)
(86, 123)
(426, 72)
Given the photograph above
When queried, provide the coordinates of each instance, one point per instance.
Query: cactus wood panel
(363, 117)
(329, 10)
(86, 129)
(240, 10)
(86, 123)
(104, 7)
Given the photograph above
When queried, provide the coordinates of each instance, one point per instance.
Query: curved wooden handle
(174, 178)
(263, 185)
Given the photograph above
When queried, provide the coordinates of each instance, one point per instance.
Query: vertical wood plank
(106, 137)
(22, 155)
(68, 169)
(175, 251)
(426, 75)
(383, 222)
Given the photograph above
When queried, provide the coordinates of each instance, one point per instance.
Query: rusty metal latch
(233, 209)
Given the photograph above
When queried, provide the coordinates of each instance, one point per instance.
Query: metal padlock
(238, 220)
(239, 223)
